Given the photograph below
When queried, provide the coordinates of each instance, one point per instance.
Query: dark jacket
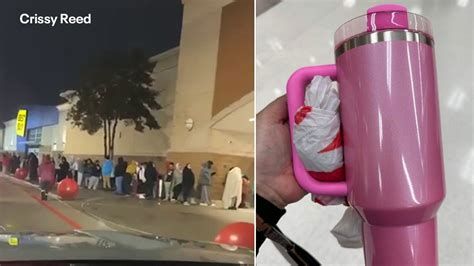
(120, 168)
(188, 178)
(96, 170)
(151, 174)
(88, 169)
(63, 169)
(169, 176)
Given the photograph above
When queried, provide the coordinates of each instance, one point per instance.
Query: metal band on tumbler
(383, 36)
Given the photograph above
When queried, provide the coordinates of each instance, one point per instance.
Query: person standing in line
(15, 163)
(57, 163)
(119, 173)
(140, 181)
(5, 162)
(46, 176)
(33, 167)
(205, 183)
(88, 169)
(107, 168)
(159, 190)
(168, 179)
(64, 169)
(151, 177)
(128, 179)
(81, 167)
(188, 183)
(177, 183)
(232, 196)
(245, 192)
(75, 168)
(95, 177)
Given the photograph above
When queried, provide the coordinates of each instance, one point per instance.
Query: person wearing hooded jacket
(96, 175)
(47, 177)
(176, 182)
(188, 183)
(205, 183)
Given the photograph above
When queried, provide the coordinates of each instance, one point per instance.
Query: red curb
(56, 212)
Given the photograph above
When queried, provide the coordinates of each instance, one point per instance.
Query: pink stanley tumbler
(385, 69)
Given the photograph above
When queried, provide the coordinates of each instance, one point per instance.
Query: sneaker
(43, 195)
(212, 205)
(186, 203)
(173, 200)
(203, 204)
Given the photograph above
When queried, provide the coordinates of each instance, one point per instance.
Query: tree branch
(105, 138)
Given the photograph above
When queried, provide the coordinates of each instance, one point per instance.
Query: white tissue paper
(318, 141)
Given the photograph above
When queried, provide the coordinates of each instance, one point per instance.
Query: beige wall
(195, 92)
(235, 61)
(196, 75)
(196, 83)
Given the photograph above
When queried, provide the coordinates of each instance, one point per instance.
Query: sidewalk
(130, 214)
(87, 194)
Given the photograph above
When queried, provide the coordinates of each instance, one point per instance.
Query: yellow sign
(21, 122)
(13, 241)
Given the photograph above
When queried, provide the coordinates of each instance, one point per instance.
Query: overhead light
(415, 10)
(251, 119)
(277, 91)
(463, 3)
(349, 3)
(275, 44)
(456, 99)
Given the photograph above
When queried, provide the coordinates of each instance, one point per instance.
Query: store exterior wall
(195, 96)
(235, 60)
(9, 139)
(1, 138)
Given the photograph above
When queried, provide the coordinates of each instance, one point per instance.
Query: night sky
(37, 62)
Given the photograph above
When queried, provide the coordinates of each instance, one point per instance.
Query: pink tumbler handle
(295, 91)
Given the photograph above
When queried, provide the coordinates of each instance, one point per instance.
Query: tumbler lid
(382, 18)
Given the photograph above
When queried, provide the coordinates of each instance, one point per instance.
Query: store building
(205, 88)
(35, 134)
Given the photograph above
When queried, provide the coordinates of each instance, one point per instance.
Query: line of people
(134, 179)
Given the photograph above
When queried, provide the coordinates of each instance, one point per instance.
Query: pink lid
(382, 17)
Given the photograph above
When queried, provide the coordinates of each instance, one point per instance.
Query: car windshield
(118, 134)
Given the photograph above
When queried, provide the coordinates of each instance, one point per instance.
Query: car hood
(113, 245)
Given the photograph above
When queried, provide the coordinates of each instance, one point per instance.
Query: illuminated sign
(21, 122)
